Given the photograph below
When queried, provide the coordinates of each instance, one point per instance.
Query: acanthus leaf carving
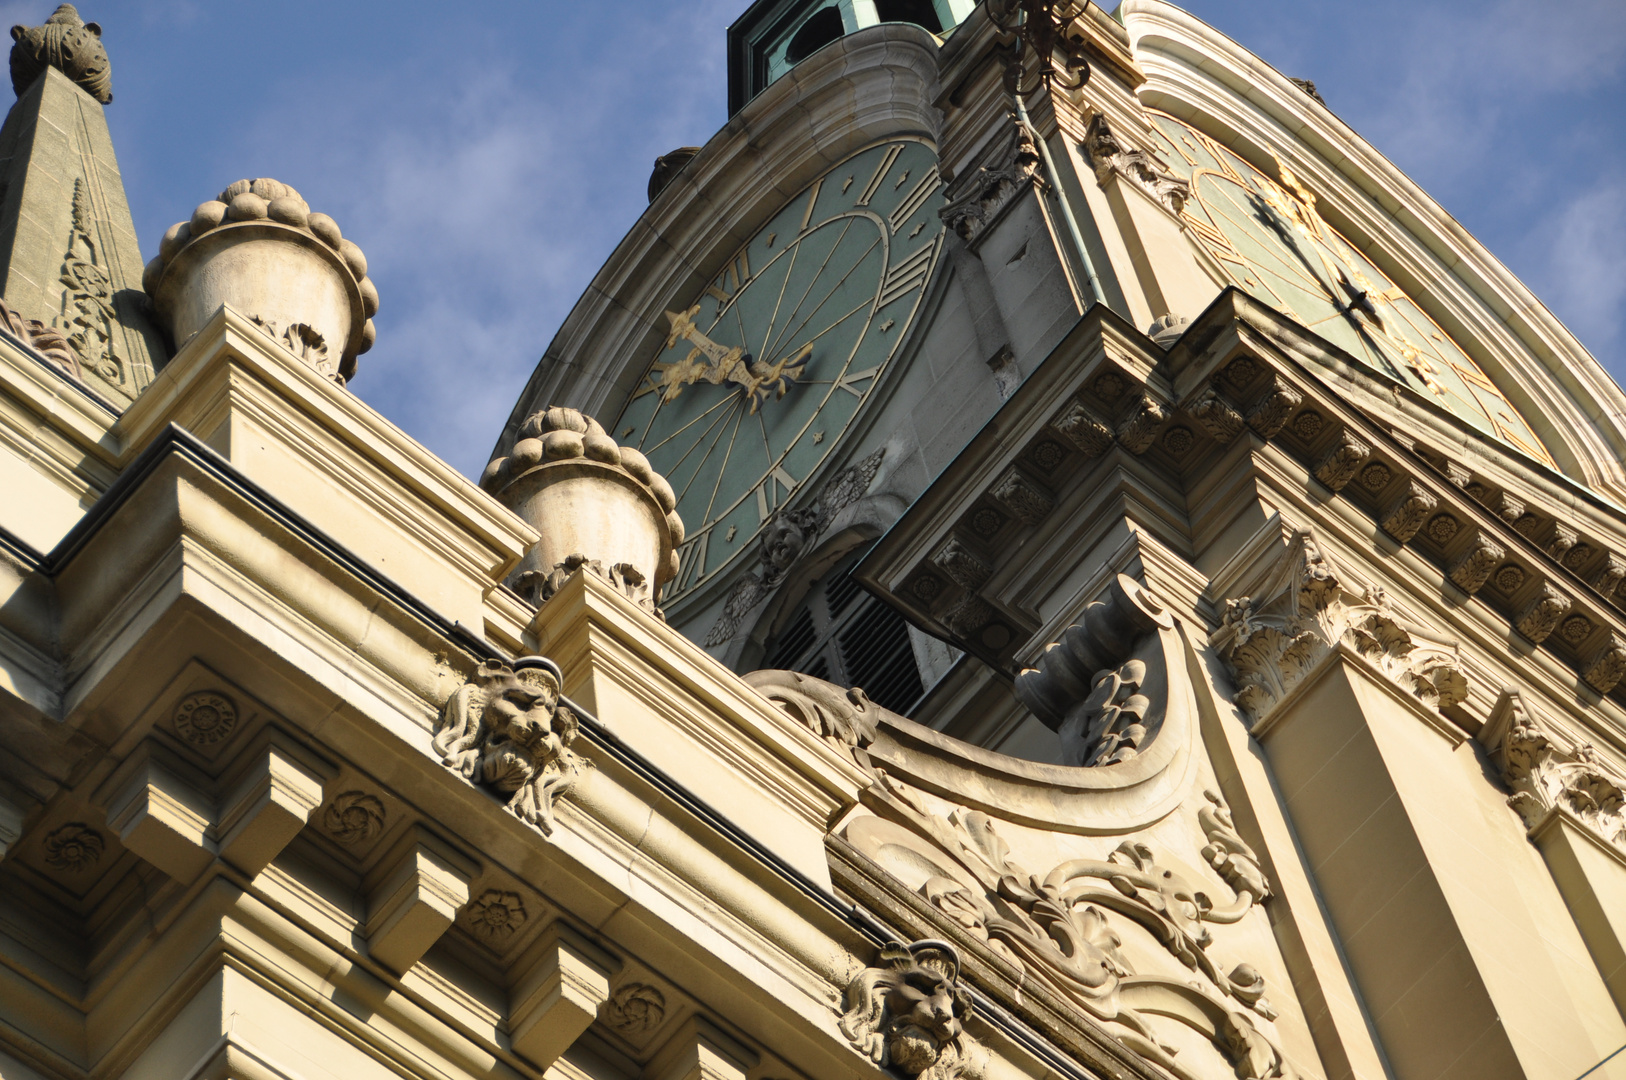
(1057, 928)
(1141, 422)
(1307, 612)
(1111, 157)
(785, 539)
(995, 185)
(505, 729)
(1342, 461)
(1079, 425)
(845, 717)
(1472, 569)
(1408, 511)
(88, 318)
(1218, 417)
(1542, 614)
(1550, 773)
(1269, 414)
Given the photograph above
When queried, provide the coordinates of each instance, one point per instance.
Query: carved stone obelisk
(68, 252)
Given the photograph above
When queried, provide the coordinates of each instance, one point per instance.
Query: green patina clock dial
(761, 374)
(1271, 240)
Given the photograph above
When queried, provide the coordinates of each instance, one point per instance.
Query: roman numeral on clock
(909, 274)
(769, 497)
(913, 201)
(849, 382)
(874, 184)
(733, 278)
(691, 564)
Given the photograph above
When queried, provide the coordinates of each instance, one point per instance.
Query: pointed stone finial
(67, 43)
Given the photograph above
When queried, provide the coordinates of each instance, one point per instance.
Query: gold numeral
(849, 382)
(691, 564)
(812, 198)
(769, 497)
(914, 200)
(909, 274)
(874, 184)
(734, 277)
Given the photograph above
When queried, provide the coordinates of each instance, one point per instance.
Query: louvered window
(843, 634)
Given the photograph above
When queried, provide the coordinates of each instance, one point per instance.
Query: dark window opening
(843, 634)
(919, 12)
(817, 32)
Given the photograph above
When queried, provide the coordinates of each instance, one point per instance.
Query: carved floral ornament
(1060, 929)
(1305, 614)
(1550, 774)
(505, 730)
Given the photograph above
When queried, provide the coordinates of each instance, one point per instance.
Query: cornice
(1195, 72)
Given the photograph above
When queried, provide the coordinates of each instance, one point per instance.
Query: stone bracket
(563, 980)
(268, 802)
(413, 895)
(160, 812)
(700, 1051)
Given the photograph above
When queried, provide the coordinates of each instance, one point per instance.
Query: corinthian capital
(1550, 773)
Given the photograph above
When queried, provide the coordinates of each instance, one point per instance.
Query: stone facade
(1272, 719)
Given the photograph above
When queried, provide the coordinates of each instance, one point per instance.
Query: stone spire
(67, 43)
(68, 252)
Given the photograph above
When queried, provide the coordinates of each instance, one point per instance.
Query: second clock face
(761, 374)
(1269, 237)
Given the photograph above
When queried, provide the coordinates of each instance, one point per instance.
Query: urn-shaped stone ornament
(596, 505)
(259, 248)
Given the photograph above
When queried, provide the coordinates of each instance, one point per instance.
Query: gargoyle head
(909, 1010)
(527, 731)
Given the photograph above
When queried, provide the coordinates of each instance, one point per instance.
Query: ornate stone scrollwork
(1549, 773)
(790, 535)
(1272, 644)
(506, 730)
(46, 340)
(1057, 928)
(1114, 721)
(1111, 157)
(909, 1010)
(845, 717)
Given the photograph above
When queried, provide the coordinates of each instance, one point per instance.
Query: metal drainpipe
(1053, 179)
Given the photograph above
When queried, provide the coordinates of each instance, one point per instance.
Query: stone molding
(1304, 614)
(1551, 774)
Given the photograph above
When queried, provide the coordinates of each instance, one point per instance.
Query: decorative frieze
(206, 718)
(1607, 666)
(1541, 615)
(634, 1010)
(1271, 411)
(1407, 512)
(1217, 416)
(1080, 426)
(73, 847)
(1021, 496)
(962, 565)
(1610, 574)
(354, 817)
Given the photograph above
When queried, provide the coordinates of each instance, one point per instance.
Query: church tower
(1040, 555)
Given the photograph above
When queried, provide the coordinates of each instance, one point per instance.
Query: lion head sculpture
(909, 1011)
(505, 729)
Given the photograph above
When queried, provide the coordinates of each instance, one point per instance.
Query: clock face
(1269, 237)
(759, 375)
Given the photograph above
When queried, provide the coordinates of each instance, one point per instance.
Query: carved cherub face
(782, 542)
(925, 1012)
(528, 731)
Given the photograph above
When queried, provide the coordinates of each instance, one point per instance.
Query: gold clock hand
(761, 377)
(693, 367)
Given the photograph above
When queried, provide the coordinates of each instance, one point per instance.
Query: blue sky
(487, 158)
